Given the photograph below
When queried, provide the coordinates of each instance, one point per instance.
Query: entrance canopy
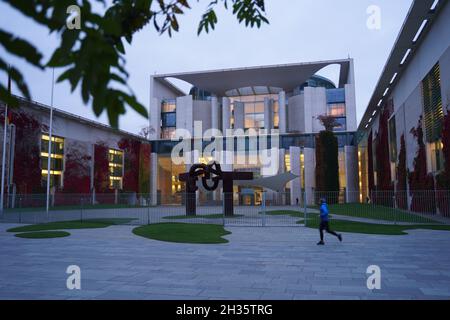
(276, 183)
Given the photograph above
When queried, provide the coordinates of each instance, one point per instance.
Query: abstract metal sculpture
(214, 173)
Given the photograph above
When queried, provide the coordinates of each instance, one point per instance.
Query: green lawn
(43, 234)
(295, 214)
(183, 233)
(205, 216)
(63, 225)
(371, 228)
(72, 207)
(376, 212)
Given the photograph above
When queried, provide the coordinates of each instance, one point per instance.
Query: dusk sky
(299, 31)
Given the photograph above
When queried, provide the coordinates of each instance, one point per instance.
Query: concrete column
(185, 114)
(282, 112)
(196, 159)
(281, 169)
(214, 113)
(239, 118)
(226, 114)
(351, 173)
(268, 120)
(310, 174)
(154, 179)
(350, 107)
(295, 186)
(155, 119)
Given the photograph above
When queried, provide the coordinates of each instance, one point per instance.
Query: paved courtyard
(258, 263)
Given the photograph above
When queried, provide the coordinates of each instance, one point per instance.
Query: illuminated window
(115, 158)
(56, 160)
(336, 110)
(437, 157)
(168, 119)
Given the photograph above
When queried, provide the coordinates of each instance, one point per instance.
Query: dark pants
(324, 226)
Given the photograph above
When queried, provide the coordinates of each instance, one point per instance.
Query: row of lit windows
(115, 158)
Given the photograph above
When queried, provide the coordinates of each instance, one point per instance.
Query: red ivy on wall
(384, 182)
(370, 162)
(443, 179)
(131, 149)
(144, 168)
(402, 176)
(77, 170)
(101, 168)
(421, 183)
(27, 171)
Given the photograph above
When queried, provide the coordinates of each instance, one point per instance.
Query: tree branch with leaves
(93, 57)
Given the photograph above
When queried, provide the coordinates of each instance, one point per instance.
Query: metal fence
(256, 209)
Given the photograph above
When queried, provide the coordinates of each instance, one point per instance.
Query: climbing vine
(421, 183)
(101, 168)
(402, 176)
(131, 149)
(27, 171)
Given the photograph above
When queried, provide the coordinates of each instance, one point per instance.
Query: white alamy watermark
(242, 147)
(74, 279)
(374, 279)
(73, 20)
(374, 19)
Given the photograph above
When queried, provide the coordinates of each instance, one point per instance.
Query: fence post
(223, 208)
(395, 207)
(148, 211)
(305, 211)
(263, 208)
(81, 209)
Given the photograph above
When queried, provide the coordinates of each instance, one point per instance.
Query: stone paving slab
(257, 263)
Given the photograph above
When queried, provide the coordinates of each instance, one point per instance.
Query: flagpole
(5, 132)
(50, 131)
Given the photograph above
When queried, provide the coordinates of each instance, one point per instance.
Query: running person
(324, 223)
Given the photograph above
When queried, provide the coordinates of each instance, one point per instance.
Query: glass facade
(433, 117)
(56, 160)
(336, 96)
(254, 110)
(115, 158)
(168, 118)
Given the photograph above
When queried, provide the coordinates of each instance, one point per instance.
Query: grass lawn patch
(204, 216)
(376, 212)
(43, 235)
(372, 228)
(86, 224)
(74, 207)
(292, 213)
(183, 233)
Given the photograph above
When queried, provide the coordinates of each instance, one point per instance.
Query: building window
(393, 147)
(115, 158)
(168, 105)
(432, 105)
(168, 119)
(336, 109)
(254, 110)
(433, 114)
(342, 171)
(341, 124)
(276, 114)
(436, 155)
(335, 96)
(254, 115)
(56, 160)
(392, 140)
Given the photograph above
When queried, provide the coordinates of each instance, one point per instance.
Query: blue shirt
(324, 212)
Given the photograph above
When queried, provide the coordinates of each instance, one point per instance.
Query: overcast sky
(299, 31)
